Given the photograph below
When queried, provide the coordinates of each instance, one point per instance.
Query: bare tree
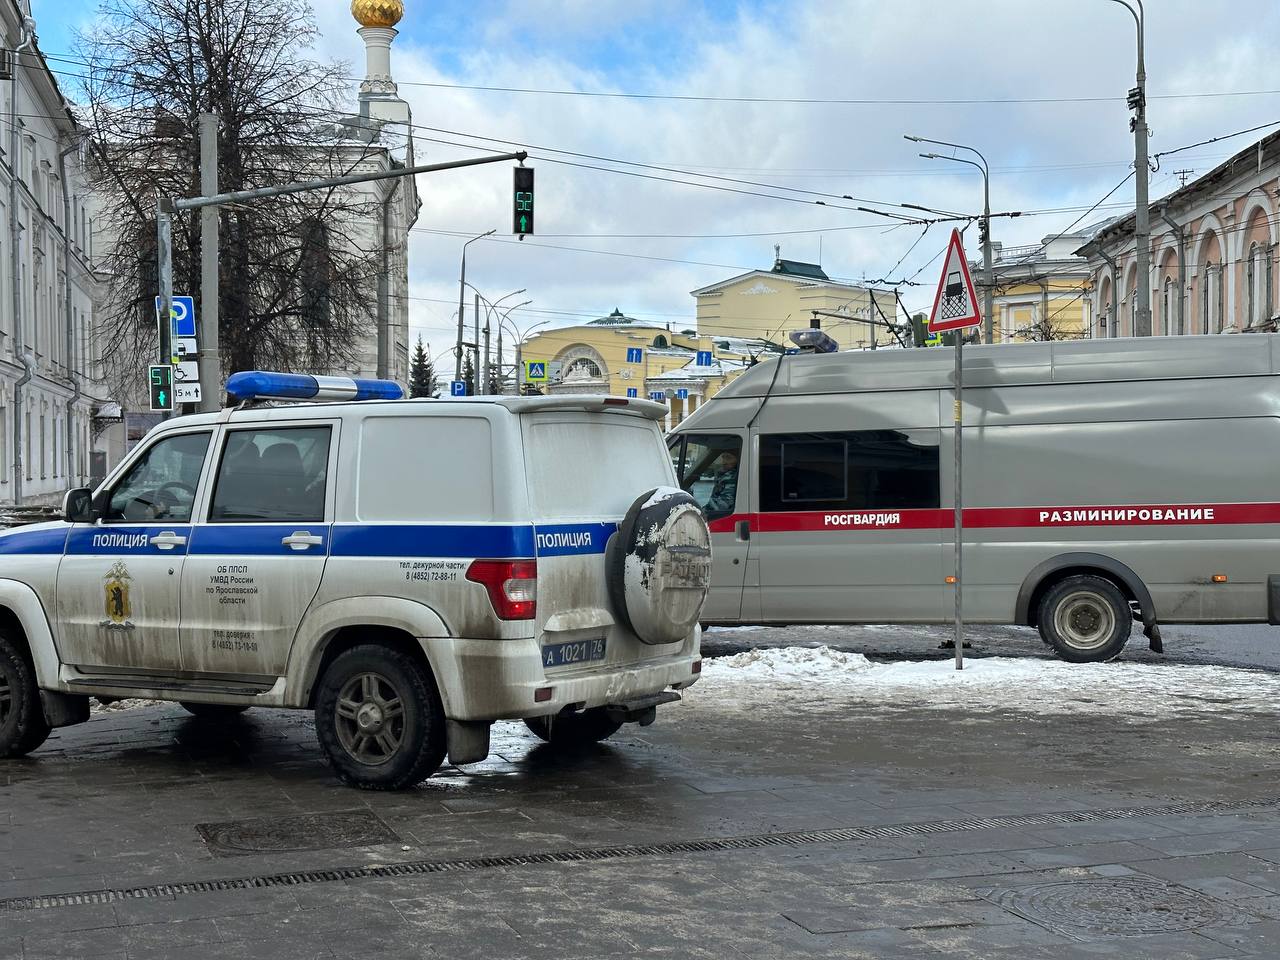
(298, 272)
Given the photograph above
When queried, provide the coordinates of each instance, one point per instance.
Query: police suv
(411, 570)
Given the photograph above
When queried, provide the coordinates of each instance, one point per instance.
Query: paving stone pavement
(1104, 853)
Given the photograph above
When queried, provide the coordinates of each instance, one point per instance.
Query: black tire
(1085, 619)
(213, 711)
(574, 729)
(366, 747)
(22, 723)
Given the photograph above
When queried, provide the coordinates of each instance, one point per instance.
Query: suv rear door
(258, 552)
(583, 472)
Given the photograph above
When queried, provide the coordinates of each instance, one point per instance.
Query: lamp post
(1141, 169)
(987, 287)
(490, 307)
(462, 290)
(502, 318)
(520, 339)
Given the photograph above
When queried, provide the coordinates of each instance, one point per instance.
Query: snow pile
(790, 677)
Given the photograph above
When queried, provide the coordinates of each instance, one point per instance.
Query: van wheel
(1085, 619)
(379, 719)
(213, 711)
(574, 729)
(22, 724)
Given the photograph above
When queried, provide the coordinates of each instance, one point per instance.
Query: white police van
(412, 570)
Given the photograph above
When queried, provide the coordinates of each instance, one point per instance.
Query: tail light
(512, 586)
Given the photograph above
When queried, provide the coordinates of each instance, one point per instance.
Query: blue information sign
(704, 358)
(682, 393)
(635, 355)
(457, 388)
(183, 317)
(658, 395)
(632, 392)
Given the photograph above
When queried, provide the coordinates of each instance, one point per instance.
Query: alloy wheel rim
(6, 697)
(1085, 621)
(370, 719)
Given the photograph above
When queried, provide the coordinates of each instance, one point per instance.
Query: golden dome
(377, 13)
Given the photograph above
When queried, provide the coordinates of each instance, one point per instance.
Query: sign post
(955, 307)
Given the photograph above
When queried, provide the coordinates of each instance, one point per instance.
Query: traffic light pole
(167, 207)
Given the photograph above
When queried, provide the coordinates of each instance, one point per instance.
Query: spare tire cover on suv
(659, 566)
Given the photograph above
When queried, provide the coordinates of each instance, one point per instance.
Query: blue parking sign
(183, 317)
(632, 392)
(635, 355)
(682, 393)
(704, 358)
(457, 388)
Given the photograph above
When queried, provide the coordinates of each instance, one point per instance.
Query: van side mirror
(77, 506)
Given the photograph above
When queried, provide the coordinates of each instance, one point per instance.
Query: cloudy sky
(607, 239)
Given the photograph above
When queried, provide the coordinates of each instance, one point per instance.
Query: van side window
(707, 467)
(275, 474)
(853, 470)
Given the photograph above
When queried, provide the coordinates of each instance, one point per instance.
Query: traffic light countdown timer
(522, 220)
(160, 379)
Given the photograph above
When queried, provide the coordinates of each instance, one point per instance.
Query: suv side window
(271, 474)
(850, 470)
(161, 485)
(707, 467)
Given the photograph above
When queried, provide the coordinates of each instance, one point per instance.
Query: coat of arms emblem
(116, 597)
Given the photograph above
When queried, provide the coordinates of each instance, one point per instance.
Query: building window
(1166, 308)
(584, 367)
(854, 470)
(660, 342)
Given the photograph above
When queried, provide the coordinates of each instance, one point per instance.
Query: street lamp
(520, 338)
(503, 319)
(1141, 215)
(462, 291)
(490, 308)
(987, 287)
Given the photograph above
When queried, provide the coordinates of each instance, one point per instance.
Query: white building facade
(49, 385)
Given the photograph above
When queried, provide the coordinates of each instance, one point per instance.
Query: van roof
(1010, 364)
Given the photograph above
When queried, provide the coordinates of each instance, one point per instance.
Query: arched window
(584, 367)
(660, 342)
(1167, 309)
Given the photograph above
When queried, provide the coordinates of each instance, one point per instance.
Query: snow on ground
(115, 706)
(820, 676)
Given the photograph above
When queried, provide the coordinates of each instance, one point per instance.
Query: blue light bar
(265, 385)
(814, 341)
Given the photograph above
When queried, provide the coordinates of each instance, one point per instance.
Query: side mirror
(77, 506)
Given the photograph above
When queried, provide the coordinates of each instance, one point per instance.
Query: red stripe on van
(1006, 517)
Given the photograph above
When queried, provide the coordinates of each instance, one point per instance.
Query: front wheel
(574, 729)
(1085, 619)
(379, 719)
(22, 724)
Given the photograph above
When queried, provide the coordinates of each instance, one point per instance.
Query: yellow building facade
(1041, 291)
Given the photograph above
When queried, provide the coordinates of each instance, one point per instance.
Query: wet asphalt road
(1254, 646)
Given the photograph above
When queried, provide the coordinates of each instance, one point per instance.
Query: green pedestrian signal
(522, 220)
(160, 378)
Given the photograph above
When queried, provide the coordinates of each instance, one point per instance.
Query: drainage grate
(1114, 907)
(348, 828)
(594, 854)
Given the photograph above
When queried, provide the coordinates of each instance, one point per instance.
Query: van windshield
(593, 466)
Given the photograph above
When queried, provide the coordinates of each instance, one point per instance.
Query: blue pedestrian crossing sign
(457, 388)
(633, 392)
(682, 393)
(535, 371)
(704, 358)
(182, 317)
(635, 355)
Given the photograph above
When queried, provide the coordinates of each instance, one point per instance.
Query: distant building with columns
(1213, 254)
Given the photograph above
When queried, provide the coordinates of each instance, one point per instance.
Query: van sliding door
(848, 526)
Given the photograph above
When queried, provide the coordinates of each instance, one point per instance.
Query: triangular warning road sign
(955, 305)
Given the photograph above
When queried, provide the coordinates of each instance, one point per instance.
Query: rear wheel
(22, 723)
(213, 711)
(1085, 619)
(574, 729)
(379, 719)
